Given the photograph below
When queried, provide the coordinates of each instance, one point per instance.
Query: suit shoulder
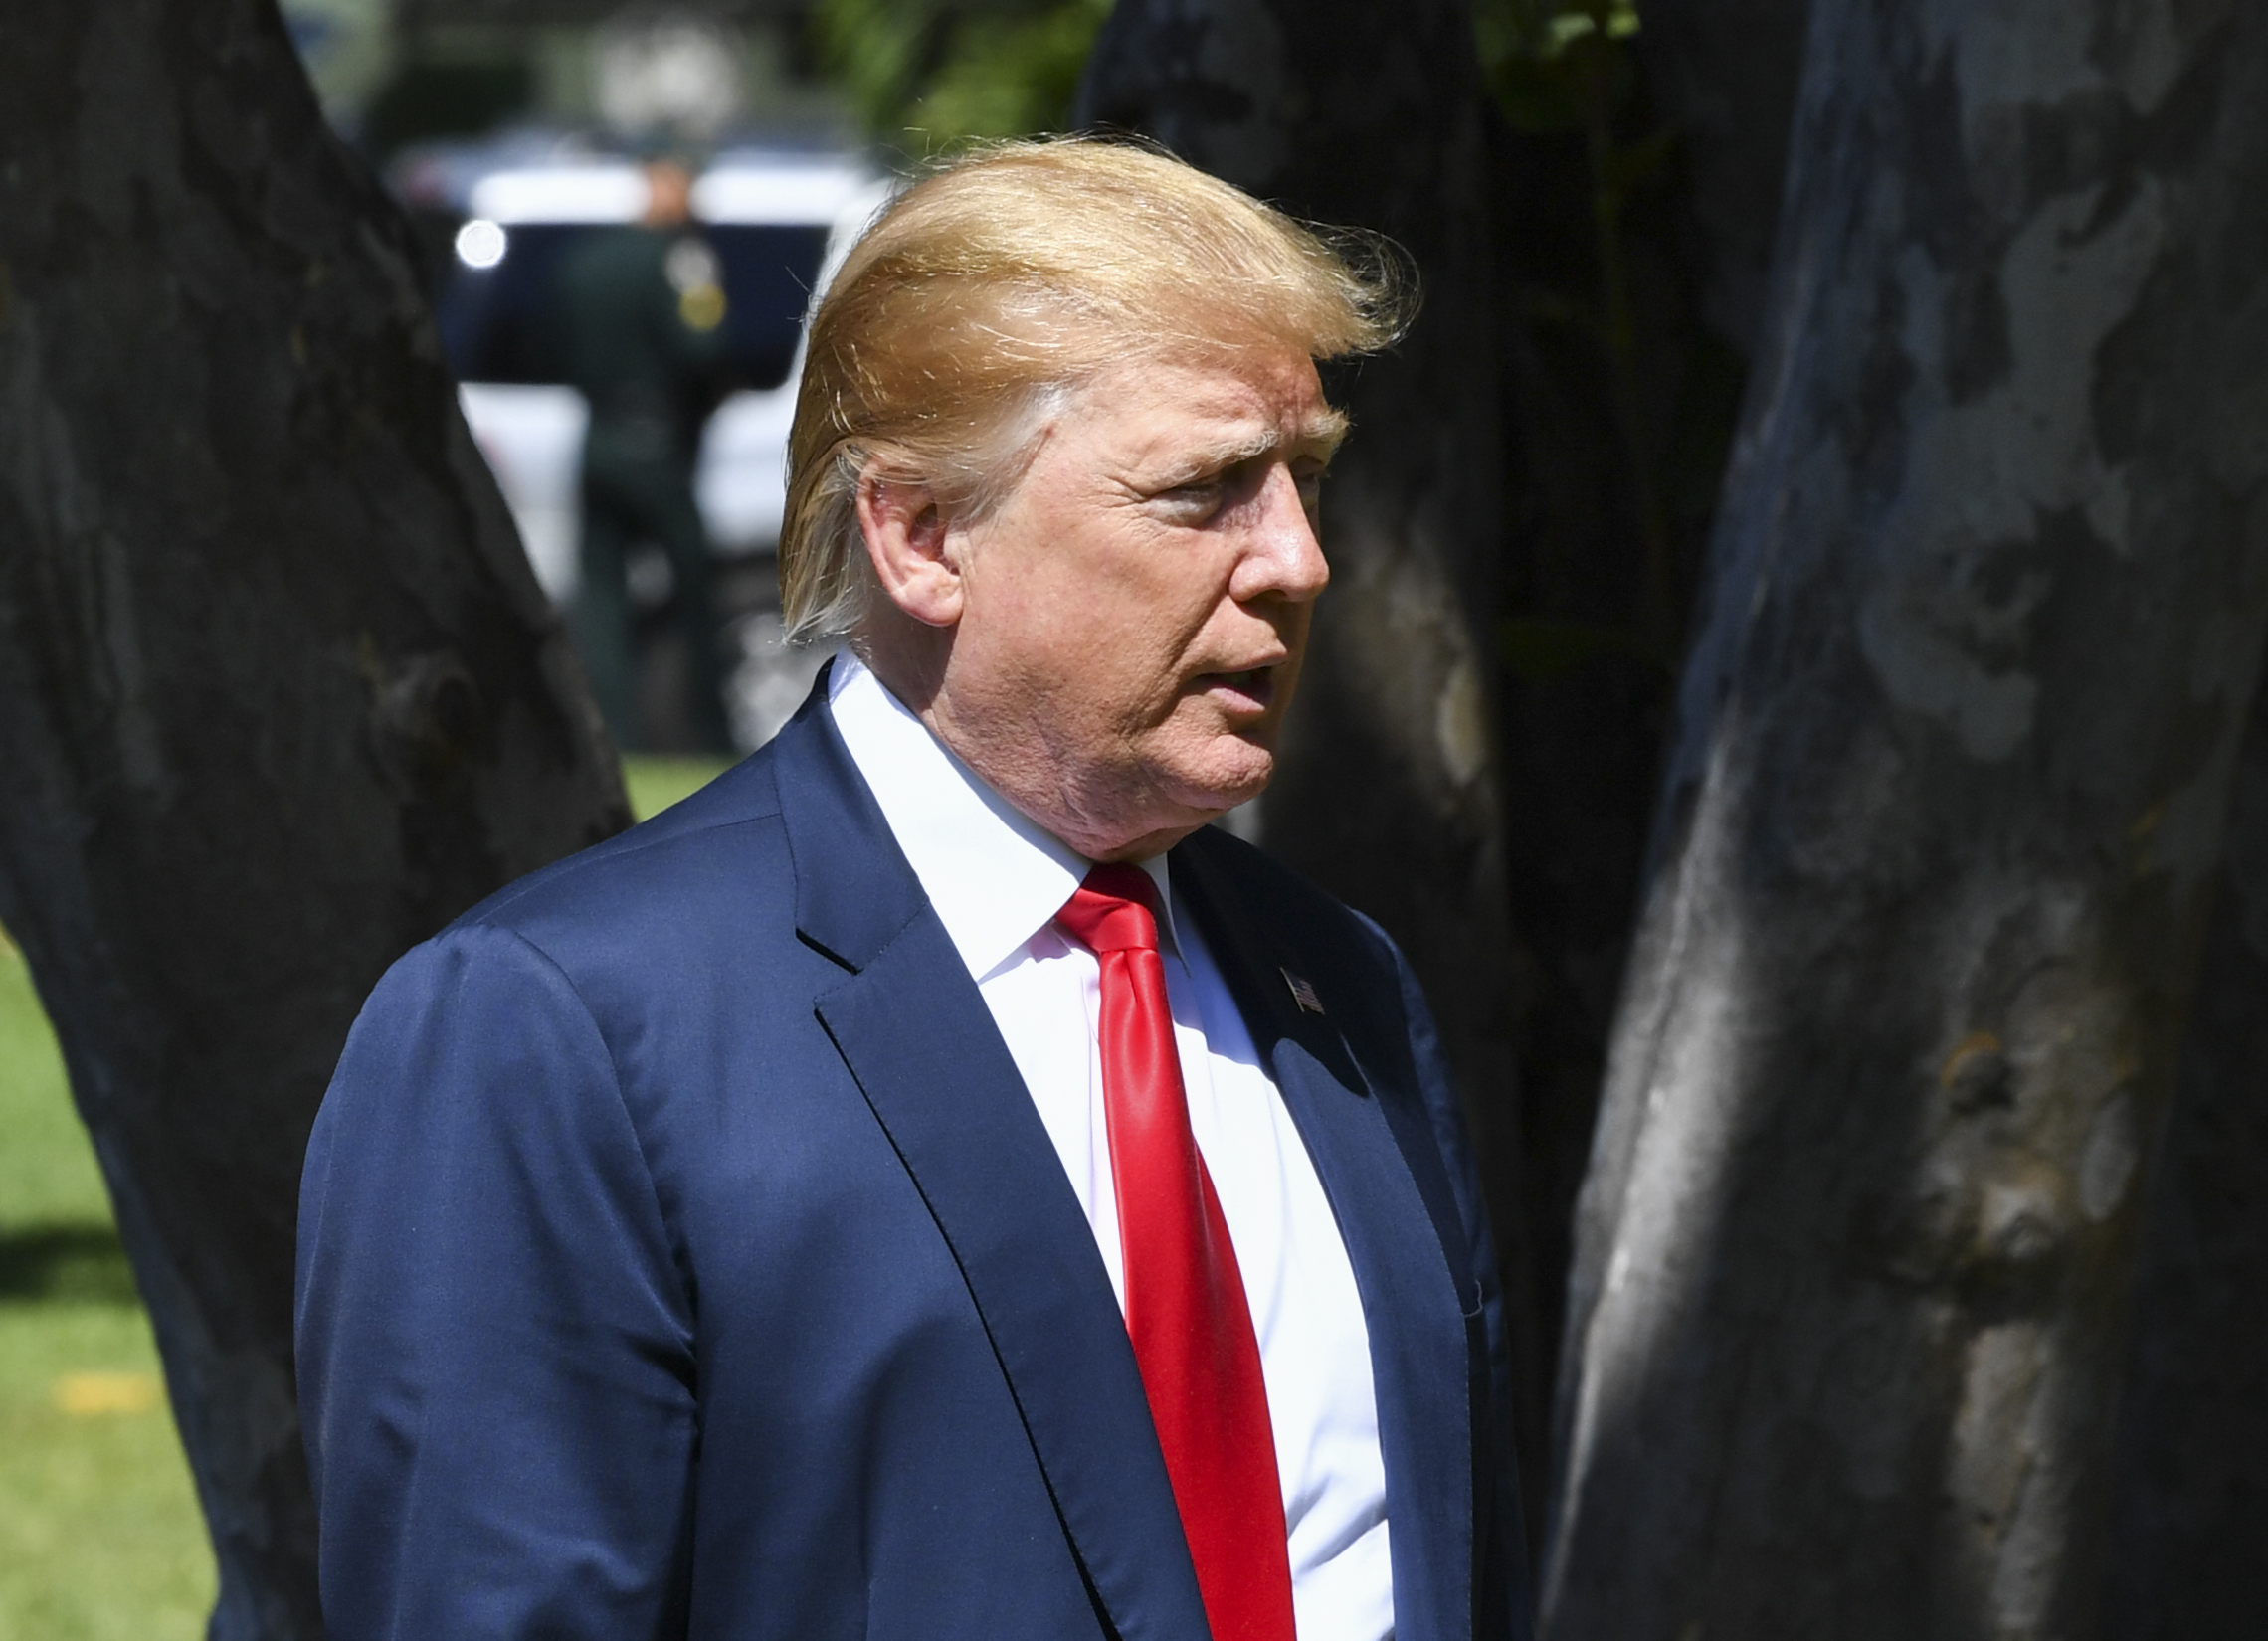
(711, 842)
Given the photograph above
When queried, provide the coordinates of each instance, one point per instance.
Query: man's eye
(1201, 498)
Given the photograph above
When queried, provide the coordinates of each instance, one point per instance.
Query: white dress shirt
(997, 881)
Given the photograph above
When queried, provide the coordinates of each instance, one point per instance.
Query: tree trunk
(1387, 790)
(2192, 1465)
(278, 693)
(1937, 843)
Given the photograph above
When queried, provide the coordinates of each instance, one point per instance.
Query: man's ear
(906, 538)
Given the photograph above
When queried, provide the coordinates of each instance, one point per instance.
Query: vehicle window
(768, 269)
(496, 320)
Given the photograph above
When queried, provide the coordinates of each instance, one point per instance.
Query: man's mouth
(1252, 689)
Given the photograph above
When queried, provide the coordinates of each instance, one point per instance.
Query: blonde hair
(989, 288)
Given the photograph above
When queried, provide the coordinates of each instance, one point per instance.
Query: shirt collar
(994, 876)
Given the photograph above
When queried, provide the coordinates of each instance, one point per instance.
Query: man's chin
(1217, 797)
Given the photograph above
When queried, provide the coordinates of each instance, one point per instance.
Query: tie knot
(1114, 910)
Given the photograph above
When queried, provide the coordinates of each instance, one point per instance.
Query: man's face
(669, 194)
(1134, 615)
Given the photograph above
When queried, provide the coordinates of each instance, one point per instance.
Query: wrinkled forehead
(1250, 400)
(1197, 413)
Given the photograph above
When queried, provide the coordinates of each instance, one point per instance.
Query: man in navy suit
(931, 1184)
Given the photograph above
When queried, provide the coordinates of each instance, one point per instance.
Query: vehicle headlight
(480, 242)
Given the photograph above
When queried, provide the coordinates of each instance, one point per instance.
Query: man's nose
(1284, 558)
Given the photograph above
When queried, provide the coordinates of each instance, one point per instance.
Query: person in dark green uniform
(642, 313)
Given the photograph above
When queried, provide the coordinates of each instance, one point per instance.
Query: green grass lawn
(100, 1535)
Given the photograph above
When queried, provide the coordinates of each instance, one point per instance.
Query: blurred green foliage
(1543, 59)
(931, 72)
(944, 70)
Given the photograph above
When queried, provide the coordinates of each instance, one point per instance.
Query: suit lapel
(1373, 1149)
(918, 1039)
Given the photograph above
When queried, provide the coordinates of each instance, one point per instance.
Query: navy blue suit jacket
(682, 1256)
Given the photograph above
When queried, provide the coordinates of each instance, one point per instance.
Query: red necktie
(1184, 1301)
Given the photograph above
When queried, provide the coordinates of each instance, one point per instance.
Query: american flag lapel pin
(1302, 992)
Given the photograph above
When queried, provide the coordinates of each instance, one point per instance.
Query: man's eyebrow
(1325, 430)
(1321, 434)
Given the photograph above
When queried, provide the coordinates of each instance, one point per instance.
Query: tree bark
(1937, 839)
(1387, 788)
(2192, 1463)
(278, 693)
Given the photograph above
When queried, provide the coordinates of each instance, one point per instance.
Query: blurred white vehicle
(776, 219)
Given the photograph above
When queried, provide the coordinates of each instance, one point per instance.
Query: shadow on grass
(65, 1264)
